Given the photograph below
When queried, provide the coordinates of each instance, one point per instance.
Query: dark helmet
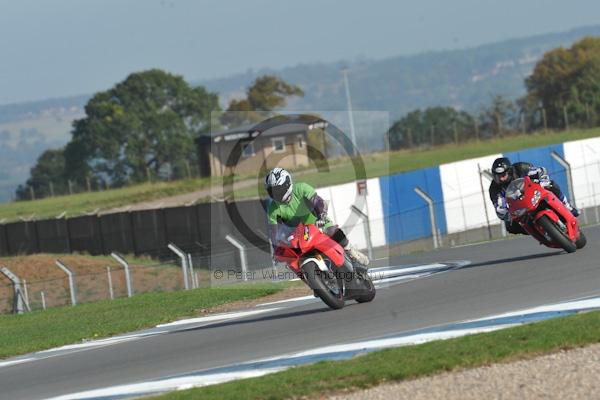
(279, 185)
(502, 171)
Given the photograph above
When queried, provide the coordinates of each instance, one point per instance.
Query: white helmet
(279, 185)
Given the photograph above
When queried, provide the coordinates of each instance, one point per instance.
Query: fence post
(488, 175)
(125, 265)
(71, 276)
(184, 268)
(429, 201)
(111, 293)
(43, 300)
(567, 168)
(192, 274)
(483, 173)
(19, 301)
(25, 291)
(242, 250)
(367, 227)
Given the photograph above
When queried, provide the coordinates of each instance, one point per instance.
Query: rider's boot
(356, 255)
(573, 210)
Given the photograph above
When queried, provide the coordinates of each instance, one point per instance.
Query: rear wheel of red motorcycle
(581, 242)
(557, 235)
(325, 284)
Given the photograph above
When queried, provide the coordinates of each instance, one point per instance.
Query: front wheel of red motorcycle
(368, 288)
(325, 284)
(556, 234)
(581, 241)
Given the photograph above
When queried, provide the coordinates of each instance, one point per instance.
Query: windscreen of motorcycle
(515, 189)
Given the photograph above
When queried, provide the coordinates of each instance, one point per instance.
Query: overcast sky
(55, 48)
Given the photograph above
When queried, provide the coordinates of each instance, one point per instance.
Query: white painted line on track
(384, 275)
(216, 317)
(14, 362)
(166, 385)
(72, 348)
(338, 351)
(293, 299)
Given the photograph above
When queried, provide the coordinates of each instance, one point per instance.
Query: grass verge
(38, 330)
(410, 362)
(82, 203)
(378, 164)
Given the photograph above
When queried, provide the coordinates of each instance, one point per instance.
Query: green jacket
(300, 208)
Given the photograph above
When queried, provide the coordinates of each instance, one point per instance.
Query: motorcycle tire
(581, 242)
(556, 234)
(316, 280)
(368, 293)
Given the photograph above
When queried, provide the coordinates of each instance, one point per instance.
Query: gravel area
(573, 374)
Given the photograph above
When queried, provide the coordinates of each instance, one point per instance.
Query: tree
(435, 125)
(266, 94)
(567, 79)
(500, 118)
(47, 176)
(143, 126)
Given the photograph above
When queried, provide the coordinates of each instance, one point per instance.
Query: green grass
(38, 330)
(341, 171)
(410, 362)
(87, 202)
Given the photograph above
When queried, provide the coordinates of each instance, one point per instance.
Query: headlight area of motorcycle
(519, 212)
(537, 195)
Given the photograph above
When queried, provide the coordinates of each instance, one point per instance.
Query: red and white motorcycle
(543, 215)
(323, 265)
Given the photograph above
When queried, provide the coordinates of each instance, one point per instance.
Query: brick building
(280, 141)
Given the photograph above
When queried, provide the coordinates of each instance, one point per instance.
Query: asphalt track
(502, 276)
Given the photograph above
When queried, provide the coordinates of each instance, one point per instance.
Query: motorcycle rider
(503, 172)
(299, 203)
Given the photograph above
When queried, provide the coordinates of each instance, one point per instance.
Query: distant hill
(466, 79)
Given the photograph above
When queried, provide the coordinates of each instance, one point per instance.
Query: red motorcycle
(322, 264)
(543, 215)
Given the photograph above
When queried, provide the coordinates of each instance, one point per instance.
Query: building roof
(275, 126)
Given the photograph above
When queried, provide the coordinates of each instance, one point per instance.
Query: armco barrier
(405, 216)
(53, 236)
(85, 235)
(22, 237)
(4, 247)
(117, 233)
(181, 225)
(148, 231)
(397, 213)
(199, 228)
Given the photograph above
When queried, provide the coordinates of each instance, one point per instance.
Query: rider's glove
(502, 213)
(322, 221)
(536, 173)
(545, 181)
(502, 209)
